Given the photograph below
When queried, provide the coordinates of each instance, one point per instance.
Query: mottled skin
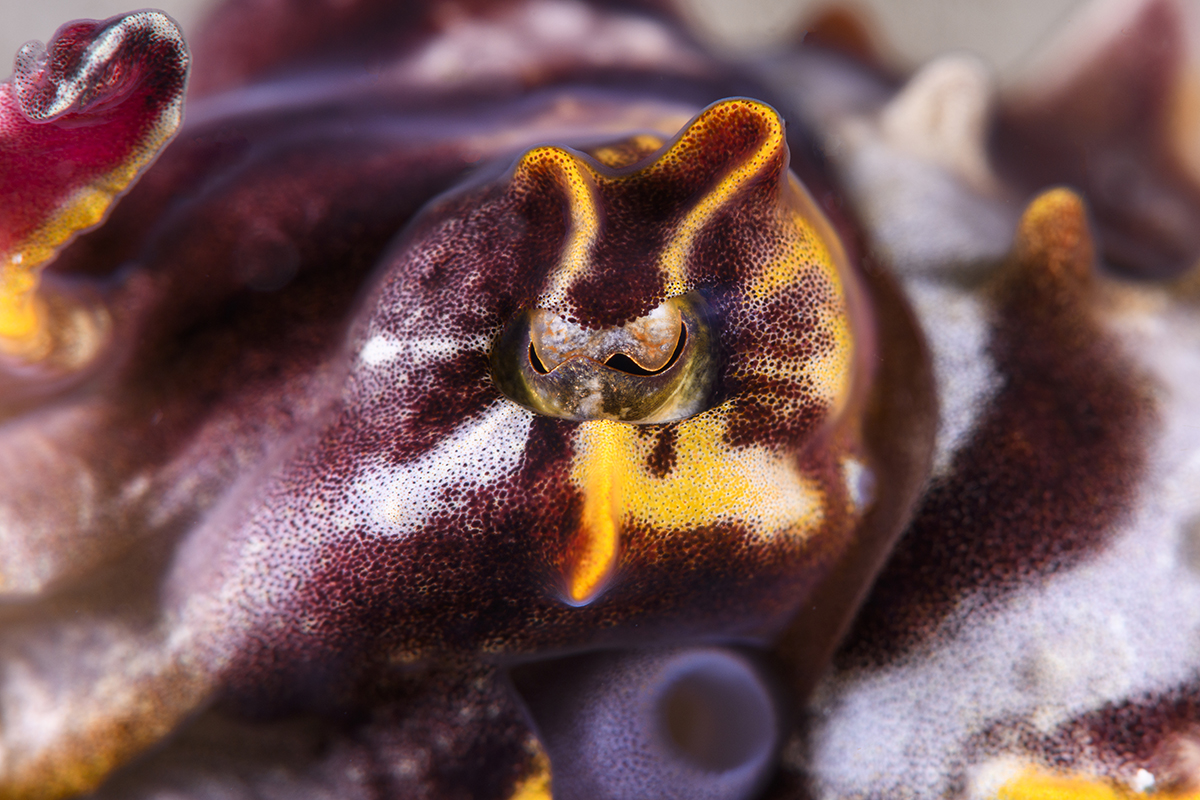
(300, 488)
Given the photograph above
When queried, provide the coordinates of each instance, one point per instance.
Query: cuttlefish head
(697, 320)
(632, 373)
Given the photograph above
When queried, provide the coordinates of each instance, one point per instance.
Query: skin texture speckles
(428, 385)
(328, 485)
(1008, 628)
(615, 469)
(1043, 297)
(770, 371)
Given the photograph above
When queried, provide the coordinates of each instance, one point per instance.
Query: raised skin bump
(769, 147)
(1045, 325)
(102, 99)
(1054, 248)
(1011, 540)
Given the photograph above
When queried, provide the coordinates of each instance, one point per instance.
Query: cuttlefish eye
(692, 724)
(657, 368)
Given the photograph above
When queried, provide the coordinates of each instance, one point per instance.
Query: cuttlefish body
(515, 401)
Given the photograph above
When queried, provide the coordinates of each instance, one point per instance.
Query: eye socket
(657, 368)
(679, 724)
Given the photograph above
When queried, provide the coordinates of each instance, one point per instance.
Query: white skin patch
(860, 483)
(1125, 623)
(379, 350)
(382, 350)
(530, 34)
(397, 500)
(956, 329)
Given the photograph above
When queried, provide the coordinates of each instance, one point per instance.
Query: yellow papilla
(1054, 235)
(535, 785)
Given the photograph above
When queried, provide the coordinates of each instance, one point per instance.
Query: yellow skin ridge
(580, 180)
(1038, 784)
(759, 489)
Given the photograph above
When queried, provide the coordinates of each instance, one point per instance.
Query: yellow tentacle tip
(535, 785)
(1053, 237)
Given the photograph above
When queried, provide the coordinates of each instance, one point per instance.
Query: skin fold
(514, 400)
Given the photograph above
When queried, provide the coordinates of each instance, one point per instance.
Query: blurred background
(1003, 32)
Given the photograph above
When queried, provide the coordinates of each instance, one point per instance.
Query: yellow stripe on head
(674, 258)
(578, 184)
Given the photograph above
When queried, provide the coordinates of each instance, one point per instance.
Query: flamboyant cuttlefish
(512, 400)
